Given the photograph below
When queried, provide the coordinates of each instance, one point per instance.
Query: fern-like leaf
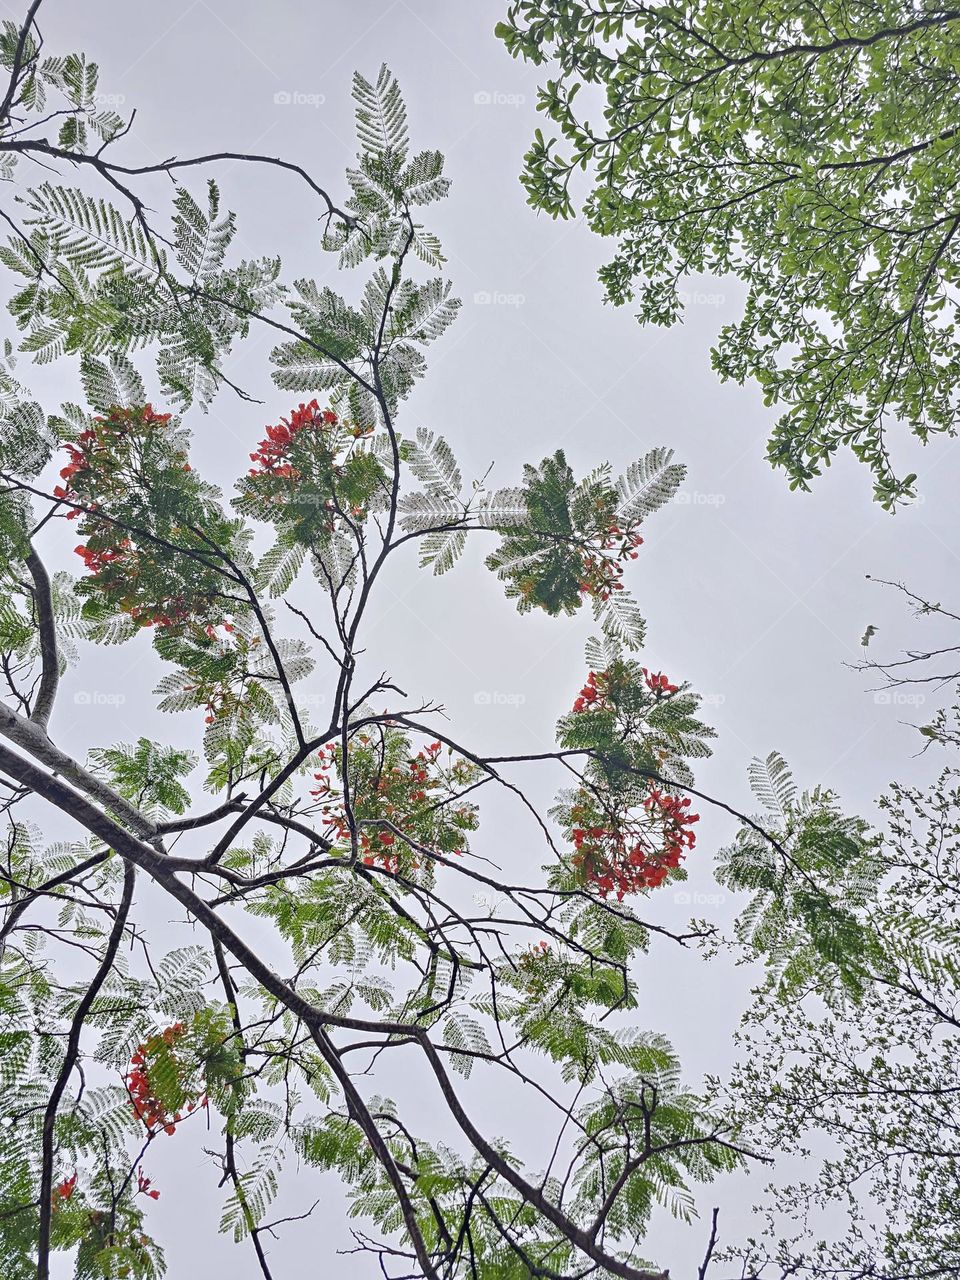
(647, 484)
(380, 114)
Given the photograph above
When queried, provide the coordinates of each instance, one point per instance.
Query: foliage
(809, 151)
(329, 880)
(628, 833)
(810, 883)
(863, 1081)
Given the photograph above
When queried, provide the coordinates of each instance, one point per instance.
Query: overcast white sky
(756, 595)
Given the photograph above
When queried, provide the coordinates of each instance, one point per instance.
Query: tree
(859, 1077)
(849, 1049)
(810, 150)
(349, 841)
(929, 668)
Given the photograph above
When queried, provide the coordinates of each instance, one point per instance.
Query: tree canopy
(347, 931)
(862, 1082)
(808, 150)
(349, 840)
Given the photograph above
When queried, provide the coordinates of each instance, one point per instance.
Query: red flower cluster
(97, 445)
(144, 1188)
(421, 763)
(172, 613)
(271, 456)
(601, 573)
(373, 847)
(96, 559)
(99, 464)
(78, 462)
(63, 1190)
(394, 797)
(657, 682)
(146, 1106)
(592, 693)
(620, 857)
(169, 613)
(325, 758)
(672, 813)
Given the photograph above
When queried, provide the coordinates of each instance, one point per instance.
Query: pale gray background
(755, 594)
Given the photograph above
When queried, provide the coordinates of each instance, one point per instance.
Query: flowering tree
(809, 151)
(353, 839)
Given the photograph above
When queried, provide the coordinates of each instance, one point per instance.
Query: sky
(756, 595)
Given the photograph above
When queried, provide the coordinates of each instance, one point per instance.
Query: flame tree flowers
(154, 531)
(630, 854)
(314, 474)
(309, 822)
(629, 832)
(410, 808)
(64, 1189)
(163, 1084)
(576, 537)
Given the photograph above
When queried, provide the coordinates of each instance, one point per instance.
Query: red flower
(632, 854)
(64, 1190)
(146, 1106)
(271, 456)
(658, 682)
